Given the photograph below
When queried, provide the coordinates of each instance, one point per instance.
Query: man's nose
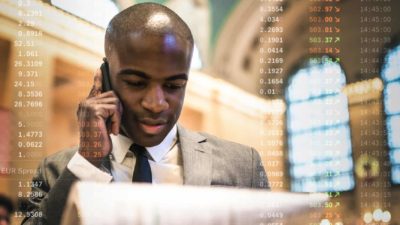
(154, 100)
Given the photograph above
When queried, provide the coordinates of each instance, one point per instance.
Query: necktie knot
(138, 150)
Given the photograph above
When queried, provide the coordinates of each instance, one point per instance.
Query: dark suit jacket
(207, 160)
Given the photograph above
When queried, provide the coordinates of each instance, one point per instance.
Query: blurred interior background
(312, 85)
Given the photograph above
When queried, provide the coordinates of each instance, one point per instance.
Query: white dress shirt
(165, 161)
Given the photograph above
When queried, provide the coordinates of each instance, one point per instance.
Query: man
(130, 134)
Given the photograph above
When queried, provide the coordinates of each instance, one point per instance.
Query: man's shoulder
(61, 157)
(53, 165)
(219, 144)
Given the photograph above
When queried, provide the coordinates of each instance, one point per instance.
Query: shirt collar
(121, 145)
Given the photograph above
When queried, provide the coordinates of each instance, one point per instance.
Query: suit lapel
(196, 155)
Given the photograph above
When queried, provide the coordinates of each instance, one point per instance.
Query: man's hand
(93, 114)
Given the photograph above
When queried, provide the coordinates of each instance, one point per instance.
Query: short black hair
(137, 17)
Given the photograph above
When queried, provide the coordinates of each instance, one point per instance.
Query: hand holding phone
(99, 115)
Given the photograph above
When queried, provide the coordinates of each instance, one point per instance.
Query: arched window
(99, 13)
(391, 94)
(318, 130)
(105, 11)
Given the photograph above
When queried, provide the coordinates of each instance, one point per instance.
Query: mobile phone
(105, 72)
(106, 84)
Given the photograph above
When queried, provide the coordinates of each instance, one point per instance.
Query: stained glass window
(318, 130)
(391, 93)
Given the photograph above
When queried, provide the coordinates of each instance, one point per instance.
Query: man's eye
(174, 86)
(136, 83)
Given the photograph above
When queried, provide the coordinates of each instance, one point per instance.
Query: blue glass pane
(301, 148)
(339, 141)
(334, 78)
(395, 156)
(309, 185)
(299, 118)
(336, 183)
(345, 166)
(305, 170)
(334, 167)
(323, 169)
(324, 185)
(318, 113)
(391, 69)
(314, 81)
(320, 145)
(342, 183)
(335, 110)
(393, 126)
(299, 90)
(392, 94)
(296, 185)
(396, 174)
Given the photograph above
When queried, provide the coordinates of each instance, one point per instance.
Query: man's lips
(151, 126)
(152, 129)
(152, 122)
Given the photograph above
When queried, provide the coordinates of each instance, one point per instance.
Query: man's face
(149, 74)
